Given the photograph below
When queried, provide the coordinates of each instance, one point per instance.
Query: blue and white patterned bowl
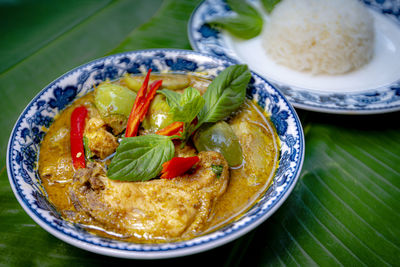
(24, 143)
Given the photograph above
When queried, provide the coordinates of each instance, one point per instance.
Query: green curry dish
(140, 158)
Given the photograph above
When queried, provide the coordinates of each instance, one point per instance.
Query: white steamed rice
(321, 36)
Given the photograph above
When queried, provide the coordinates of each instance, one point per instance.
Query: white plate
(375, 88)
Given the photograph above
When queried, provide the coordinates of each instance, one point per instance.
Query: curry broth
(55, 162)
(247, 182)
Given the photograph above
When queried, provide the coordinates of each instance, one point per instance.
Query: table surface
(345, 208)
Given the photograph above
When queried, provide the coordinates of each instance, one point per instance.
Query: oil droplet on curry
(209, 195)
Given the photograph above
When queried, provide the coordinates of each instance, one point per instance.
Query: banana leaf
(344, 210)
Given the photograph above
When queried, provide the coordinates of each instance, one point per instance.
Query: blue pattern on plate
(26, 136)
(385, 98)
(62, 97)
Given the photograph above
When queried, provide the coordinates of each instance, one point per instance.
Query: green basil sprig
(186, 106)
(225, 94)
(140, 158)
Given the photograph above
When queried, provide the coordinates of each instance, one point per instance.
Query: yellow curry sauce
(247, 182)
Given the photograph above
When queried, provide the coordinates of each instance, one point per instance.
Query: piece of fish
(156, 209)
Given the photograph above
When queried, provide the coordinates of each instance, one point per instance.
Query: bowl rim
(159, 254)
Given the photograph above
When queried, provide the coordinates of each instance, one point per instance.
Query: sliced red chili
(175, 128)
(141, 105)
(133, 120)
(149, 97)
(141, 95)
(78, 120)
(178, 166)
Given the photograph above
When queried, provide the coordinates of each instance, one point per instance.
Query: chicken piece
(101, 142)
(156, 209)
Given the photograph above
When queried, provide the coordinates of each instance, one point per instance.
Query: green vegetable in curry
(113, 99)
(171, 82)
(221, 138)
(158, 116)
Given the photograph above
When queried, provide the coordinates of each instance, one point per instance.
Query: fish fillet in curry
(151, 209)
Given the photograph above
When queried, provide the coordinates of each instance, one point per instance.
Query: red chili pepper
(175, 128)
(78, 120)
(141, 105)
(178, 166)
(133, 120)
(149, 97)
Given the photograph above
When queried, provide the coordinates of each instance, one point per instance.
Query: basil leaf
(188, 96)
(140, 158)
(190, 105)
(244, 27)
(242, 7)
(246, 24)
(186, 106)
(225, 94)
(269, 5)
(172, 97)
